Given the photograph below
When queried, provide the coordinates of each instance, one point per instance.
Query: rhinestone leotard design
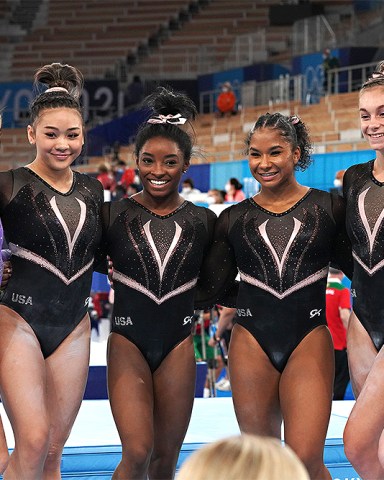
(53, 237)
(156, 262)
(283, 262)
(365, 227)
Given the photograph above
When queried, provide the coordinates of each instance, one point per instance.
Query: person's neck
(281, 198)
(61, 180)
(378, 167)
(159, 205)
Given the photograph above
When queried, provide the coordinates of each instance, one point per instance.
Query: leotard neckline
(281, 214)
(184, 204)
(64, 194)
(373, 178)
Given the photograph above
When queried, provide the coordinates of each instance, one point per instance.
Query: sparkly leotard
(365, 227)
(53, 237)
(283, 262)
(156, 262)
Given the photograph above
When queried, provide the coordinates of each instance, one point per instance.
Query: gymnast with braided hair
(281, 361)
(52, 222)
(363, 189)
(156, 241)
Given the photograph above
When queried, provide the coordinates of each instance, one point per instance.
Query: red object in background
(128, 177)
(226, 102)
(99, 299)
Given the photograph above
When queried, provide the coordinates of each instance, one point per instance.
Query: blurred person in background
(234, 191)
(338, 310)
(226, 101)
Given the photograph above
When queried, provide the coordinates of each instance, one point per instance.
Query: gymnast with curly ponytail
(281, 241)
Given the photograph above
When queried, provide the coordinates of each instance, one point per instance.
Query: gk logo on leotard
(244, 312)
(22, 299)
(315, 312)
(122, 321)
(187, 320)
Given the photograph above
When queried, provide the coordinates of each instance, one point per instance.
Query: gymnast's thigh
(130, 390)
(306, 388)
(22, 373)
(366, 420)
(174, 391)
(361, 353)
(255, 385)
(67, 371)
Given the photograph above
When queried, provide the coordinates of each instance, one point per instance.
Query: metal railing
(306, 88)
(349, 79)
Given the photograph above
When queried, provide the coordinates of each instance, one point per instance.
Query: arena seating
(333, 125)
(208, 39)
(92, 35)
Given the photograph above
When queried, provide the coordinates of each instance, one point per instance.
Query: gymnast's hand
(7, 273)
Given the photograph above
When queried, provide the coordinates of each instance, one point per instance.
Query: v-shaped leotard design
(283, 262)
(156, 262)
(53, 237)
(365, 226)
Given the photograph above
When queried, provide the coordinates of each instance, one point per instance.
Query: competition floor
(93, 448)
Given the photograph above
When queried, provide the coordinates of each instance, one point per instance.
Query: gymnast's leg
(130, 389)
(174, 391)
(66, 376)
(364, 429)
(23, 392)
(306, 388)
(4, 454)
(255, 385)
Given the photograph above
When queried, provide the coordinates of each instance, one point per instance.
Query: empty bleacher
(208, 40)
(94, 35)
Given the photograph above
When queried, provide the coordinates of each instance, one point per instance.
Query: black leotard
(283, 262)
(156, 262)
(53, 237)
(365, 227)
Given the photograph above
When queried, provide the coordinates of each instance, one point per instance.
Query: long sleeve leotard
(283, 262)
(365, 227)
(53, 237)
(156, 261)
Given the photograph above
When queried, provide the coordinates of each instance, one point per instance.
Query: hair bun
(164, 101)
(58, 75)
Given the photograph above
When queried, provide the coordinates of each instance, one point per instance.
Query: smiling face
(371, 108)
(271, 159)
(58, 136)
(161, 165)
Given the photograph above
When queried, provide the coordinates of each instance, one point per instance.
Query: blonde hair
(244, 457)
